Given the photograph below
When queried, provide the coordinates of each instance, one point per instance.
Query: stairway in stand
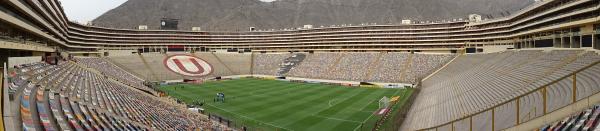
(407, 65)
(221, 61)
(373, 66)
(154, 77)
(331, 68)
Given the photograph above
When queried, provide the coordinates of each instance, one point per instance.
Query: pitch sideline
(248, 117)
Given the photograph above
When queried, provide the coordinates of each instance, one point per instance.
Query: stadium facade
(41, 26)
(551, 23)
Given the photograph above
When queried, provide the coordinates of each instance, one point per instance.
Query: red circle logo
(188, 65)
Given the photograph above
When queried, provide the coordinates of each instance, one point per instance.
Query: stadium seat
(474, 83)
(79, 99)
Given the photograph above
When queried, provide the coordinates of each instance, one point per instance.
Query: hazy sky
(88, 10)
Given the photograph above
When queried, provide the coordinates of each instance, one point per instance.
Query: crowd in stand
(268, 64)
(424, 64)
(386, 67)
(370, 67)
(352, 67)
(68, 97)
(390, 68)
(314, 65)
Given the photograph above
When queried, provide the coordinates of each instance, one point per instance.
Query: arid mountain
(235, 15)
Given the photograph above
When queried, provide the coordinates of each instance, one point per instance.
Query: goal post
(384, 102)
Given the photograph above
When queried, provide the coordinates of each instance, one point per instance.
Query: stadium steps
(105, 105)
(70, 113)
(560, 70)
(85, 67)
(521, 64)
(406, 67)
(76, 93)
(54, 105)
(42, 103)
(101, 118)
(44, 110)
(563, 63)
(79, 115)
(560, 63)
(95, 110)
(81, 111)
(95, 124)
(375, 64)
(56, 108)
(154, 77)
(66, 107)
(332, 67)
(111, 78)
(223, 63)
(93, 98)
(29, 103)
(33, 108)
(441, 68)
(76, 104)
(117, 106)
(506, 69)
(123, 67)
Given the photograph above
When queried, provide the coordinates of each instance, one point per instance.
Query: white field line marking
(248, 117)
(360, 123)
(367, 105)
(253, 93)
(316, 112)
(339, 119)
(371, 113)
(329, 103)
(344, 99)
(256, 95)
(363, 122)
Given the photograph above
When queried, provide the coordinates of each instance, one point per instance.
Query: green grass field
(278, 105)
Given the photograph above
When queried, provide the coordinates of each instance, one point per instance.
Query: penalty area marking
(354, 109)
(330, 105)
(398, 91)
(367, 117)
(248, 117)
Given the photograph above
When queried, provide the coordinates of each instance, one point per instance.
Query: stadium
(535, 69)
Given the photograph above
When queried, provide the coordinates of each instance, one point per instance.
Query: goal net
(384, 102)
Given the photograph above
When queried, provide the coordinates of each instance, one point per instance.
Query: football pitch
(280, 105)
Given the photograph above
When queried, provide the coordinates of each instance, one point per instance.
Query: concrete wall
(150, 66)
(120, 52)
(239, 63)
(12, 61)
(436, 51)
(587, 28)
(134, 65)
(496, 48)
